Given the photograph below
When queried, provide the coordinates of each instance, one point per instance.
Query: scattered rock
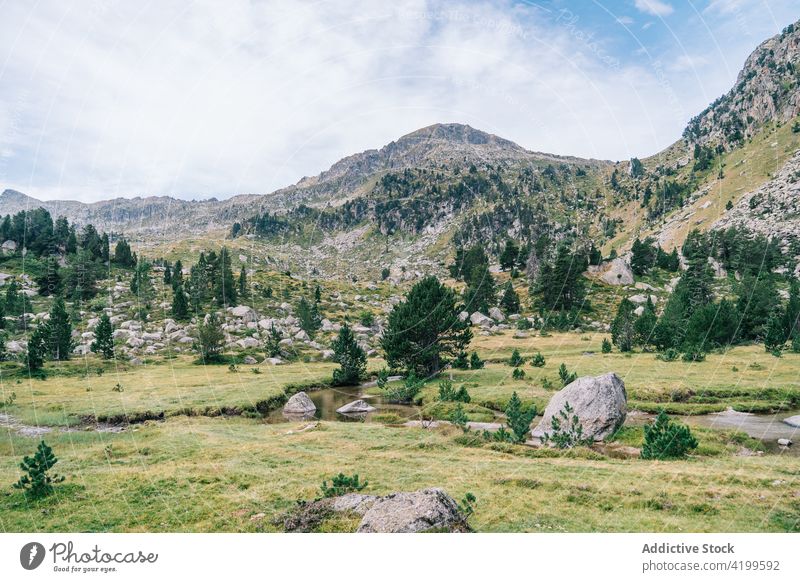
(300, 403)
(599, 402)
(793, 421)
(496, 314)
(617, 272)
(356, 407)
(419, 511)
(785, 442)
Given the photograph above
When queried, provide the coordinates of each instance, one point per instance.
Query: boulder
(301, 404)
(244, 312)
(793, 421)
(355, 407)
(785, 442)
(419, 511)
(496, 314)
(249, 360)
(600, 403)
(617, 272)
(479, 318)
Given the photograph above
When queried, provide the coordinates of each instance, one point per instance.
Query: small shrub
(459, 418)
(366, 318)
(37, 482)
(255, 370)
(449, 394)
(516, 359)
(566, 431)
(693, 354)
(475, 361)
(461, 362)
(382, 379)
(547, 384)
(665, 439)
(232, 368)
(467, 505)
(537, 361)
(566, 376)
(606, 346)
(404, 393)
(518, 374)
(118, 388)
(668, 355)
(341, 484)
(9, 400)
(524, 324)
(519, 418)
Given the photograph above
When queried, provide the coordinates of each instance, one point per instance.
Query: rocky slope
(766, 90)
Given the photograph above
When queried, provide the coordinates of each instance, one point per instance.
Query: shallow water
(767, 428)
(329, 399)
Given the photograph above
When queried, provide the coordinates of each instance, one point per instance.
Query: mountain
(765, 90)
(440, 145)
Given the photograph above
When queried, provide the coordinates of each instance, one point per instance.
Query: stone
(248, 342)
(617, 272)
(415, 512)
(273, 361)
(300, 403)
(785, 442)
(496, 314)
(14, 347)
(479, 318)
(243, 312)
(600, 403)
(718, 270)
(249, 360)
(356, 407)
(793, 421)
(463, 316)
(301, 336)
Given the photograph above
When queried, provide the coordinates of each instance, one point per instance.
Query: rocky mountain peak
(767, 89)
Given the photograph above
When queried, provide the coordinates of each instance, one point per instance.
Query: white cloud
(654, 7)
(206, 99)
(625, 20)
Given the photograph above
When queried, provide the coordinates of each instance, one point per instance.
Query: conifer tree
(210, 338)
(623, 332)
(480, 293)
(60, 331)
(36, 480)
(510, 299)
(351, 358)
(103, 343)
(224, 288)
(37, 348)
(180, 304)
(424, 331)
(243, 289)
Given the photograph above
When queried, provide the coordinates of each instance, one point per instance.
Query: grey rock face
(356, 407)
(600, 403)
(300, 403)
(419, 511)
(617, 272)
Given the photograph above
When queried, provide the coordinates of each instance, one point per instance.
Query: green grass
(237, 474)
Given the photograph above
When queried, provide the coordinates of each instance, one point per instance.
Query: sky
(102, 99)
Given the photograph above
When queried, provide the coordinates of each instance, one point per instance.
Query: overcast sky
(100, 99)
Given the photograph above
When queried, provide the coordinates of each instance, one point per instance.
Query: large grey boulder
(617, 272)
(356, 407)
(496, 314)
(299, 404)
(418, 511)
(600, 403)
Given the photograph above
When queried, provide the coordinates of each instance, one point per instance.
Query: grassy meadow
(211, 463)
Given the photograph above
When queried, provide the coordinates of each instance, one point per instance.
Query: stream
(767, 428)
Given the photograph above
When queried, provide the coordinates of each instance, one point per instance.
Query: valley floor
(207, 460)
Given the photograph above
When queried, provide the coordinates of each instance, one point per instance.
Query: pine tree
(775, 332)
(224, 288)
(180, 304)
(177, 275)
(508, 258)
(60, 330)
(37, 347)
(480, 293)
(519, 418)
(244, 291)
(424, 331)
(308, 314)
(510, 299)
(50, 281)
(623, 331)
(103, 343)
(167, 274)
(561, 282)
(272, 345)
(645, 324)
(36, 480)
(210, 338)
(351, 358)
(667, 440)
